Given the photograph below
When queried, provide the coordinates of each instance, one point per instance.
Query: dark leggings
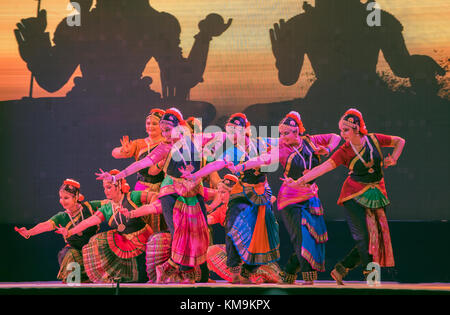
(167, 203)
(292, 219)
(142, 268)
(355, 215)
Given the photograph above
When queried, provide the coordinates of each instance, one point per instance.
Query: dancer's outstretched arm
(206, 170)
(158, 154)
(152, 208)
(316, 172)
(265, 159)
(38, 229)
(83, 225)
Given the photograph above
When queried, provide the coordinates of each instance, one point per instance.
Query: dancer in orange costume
(150, 178)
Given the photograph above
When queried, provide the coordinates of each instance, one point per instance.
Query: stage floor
(224, 288)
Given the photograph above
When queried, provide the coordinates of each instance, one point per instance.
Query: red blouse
(344, 156)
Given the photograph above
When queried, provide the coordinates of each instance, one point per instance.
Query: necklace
(79, 208)
(115, 206)
(188, 166)
(366, 164)
(303, 159)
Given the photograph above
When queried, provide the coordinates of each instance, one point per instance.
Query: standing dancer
(112, 255)
(251, 227)
(75, 212)
(301, 209)
(363, 194)
(150, 178)
(180, 200)
(140, 148)
(217, 256)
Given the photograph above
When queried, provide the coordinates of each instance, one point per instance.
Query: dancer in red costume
(363, 194)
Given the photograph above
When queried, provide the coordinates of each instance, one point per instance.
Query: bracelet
(328, 149)
(243, 167)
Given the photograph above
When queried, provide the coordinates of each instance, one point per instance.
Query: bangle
(328, 149)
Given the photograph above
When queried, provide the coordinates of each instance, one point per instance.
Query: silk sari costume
(182, 202)
(251, 224)
(251, 228)
(301, 209)
(365, 198)
(112, 255)
(140, 148)
(159, 250)
(72, 252)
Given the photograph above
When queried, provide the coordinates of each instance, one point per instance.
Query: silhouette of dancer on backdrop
(343, 49)
(112, 45)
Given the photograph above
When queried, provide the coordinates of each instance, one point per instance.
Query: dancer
(75, 211)
(112, 255)
(363, 193)
(159, 245)
(180, 201)
(150, 178)
(251, 228)
(301, 209)
(217, 256)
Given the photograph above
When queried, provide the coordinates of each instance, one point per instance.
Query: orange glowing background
(241, 68)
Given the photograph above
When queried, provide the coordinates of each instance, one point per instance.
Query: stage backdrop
(103, 75)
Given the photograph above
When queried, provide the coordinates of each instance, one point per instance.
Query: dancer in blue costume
(300, 208)
(251, 228)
